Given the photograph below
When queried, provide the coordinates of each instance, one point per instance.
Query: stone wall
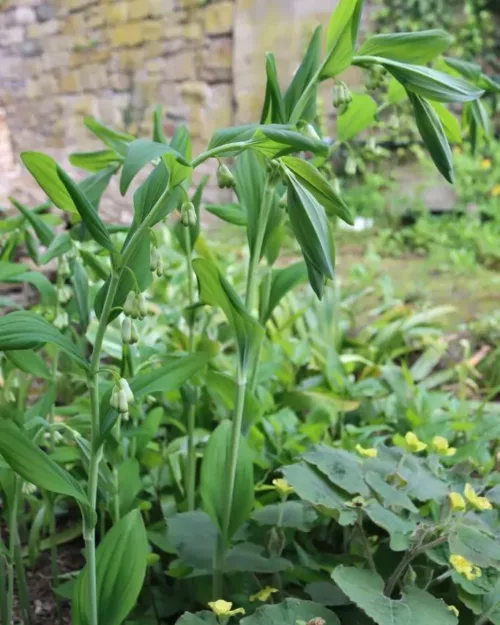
(116, 59)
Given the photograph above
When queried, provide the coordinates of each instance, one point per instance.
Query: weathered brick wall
(116, 59)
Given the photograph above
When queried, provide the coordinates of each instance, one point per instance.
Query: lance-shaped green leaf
(89, 215)
(150, 192)
(342, 34)
(276, 112)
(451, 125)
(231, 213)
(358, 116)
(94, 186)
(433, 135)
(271, 140)
(471, 71)
(282, 282)
(80, 281)
(35, 466)
(43, 168)
(425, 81)
(312, 231)
(302, 77)
(30, 362)
(140, 153)
(171, 376)
(415, 607)
(95, 161)
(213, 475)
(43, 231)
(121, 562)
(310, 178)
(251, 184)
(158, 132)
(223, 388)
(419, 48)
(216, 291)
(59, 245)
(25, 330)
(114, 139)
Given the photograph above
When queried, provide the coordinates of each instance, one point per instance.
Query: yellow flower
(465, 568)
(486, 163)
(283, 487)
(457, 502)
(367, 452)
(442, 446)
(264, 594)
(480, 503)
(413, 443)
(224, 608)
(495, 192)
(453, 609)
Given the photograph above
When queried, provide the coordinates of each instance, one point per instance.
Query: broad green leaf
(215, 290)
(290, 611)
(10, 270)
(43, 231)
(93, 262)
(224, 387)
(121, 569)
(282, 282)
(200, 618)
(95, 161)
(140, 153)
(398, 528)
(389, 493)
(114, 139)
(312, 231)
(158, 132)
(180, 172)
(35, 466)
(342, 34)
(250, 558)
(471, 71)
(40, 282)
(427, 82)
(214, 472)
(171, 376)
(234, 134)
(341, 468)
(475, 545)
(396, 92)
(451, 125)
(231, 213)
(314, 487)
(25, 330)
(278, 114)
(310, 178)
(294, 514)
(480, 115)
(432, 132)
(360, 114)
(129, 484)
(87, 212)
(302, 77)
(410, 47)
(41, 408)
(44, 170)
(32, 246)
(415, 607)
(30, 362)
(60, 245)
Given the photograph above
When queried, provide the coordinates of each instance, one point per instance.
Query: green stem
(12, 550)
(406, 561)
(116, 479)
(191, 411)
(366, 544)
(222, 149)
(3, 585)
(223, 543)
(92, 382)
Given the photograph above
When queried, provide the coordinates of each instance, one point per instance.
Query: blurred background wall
(116, 59)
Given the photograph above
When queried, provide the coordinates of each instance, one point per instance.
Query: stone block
(95, 17)
(120, 82)
(45, 11)
(182, 66)
(73, 24)
(152, 29)
(131, 59)
(13, 35)
(92, 55)
(153, 49)
(129, 34)
(219, 18)
(218, 60)
(25, 15)
(93, 77)
(43, 29)
(115, 12)
(138, 9)
(70, 83)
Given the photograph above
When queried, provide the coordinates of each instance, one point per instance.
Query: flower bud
(64, 294)
(188, 214)
(338, 95)
(113, 402)
(129, 308)
(152, 559)
(225, 178)
(142, 305)
(127, 331)
(159, 268)
(350, 166)
(62, 320)
(124, 386)
(134, 335)
(122, 402)
(153, 259)
(308, 131)
(63, 268)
